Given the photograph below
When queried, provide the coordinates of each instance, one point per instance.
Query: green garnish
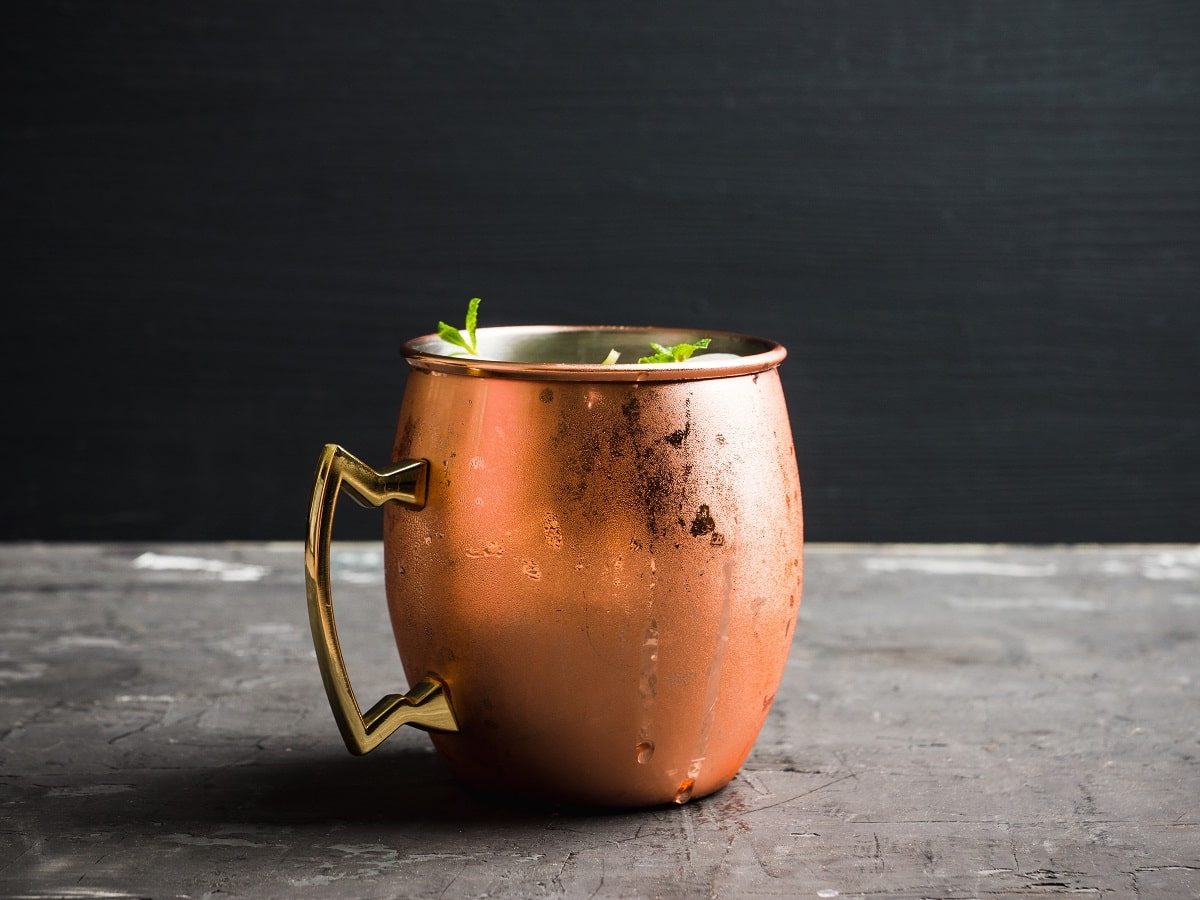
(611, 359)
(678, 353)
(462, 337)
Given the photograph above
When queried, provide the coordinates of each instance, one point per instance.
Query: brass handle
(426, 704)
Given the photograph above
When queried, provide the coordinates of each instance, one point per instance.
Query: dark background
(976, 226)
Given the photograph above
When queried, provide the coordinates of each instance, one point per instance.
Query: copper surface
(607, 570)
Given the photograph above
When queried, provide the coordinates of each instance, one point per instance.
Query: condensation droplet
(684, 794)
(490, 549)
(644, 751)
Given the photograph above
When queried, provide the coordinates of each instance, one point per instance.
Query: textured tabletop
(953, 722)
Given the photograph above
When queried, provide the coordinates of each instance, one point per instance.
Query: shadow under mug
(593, 571)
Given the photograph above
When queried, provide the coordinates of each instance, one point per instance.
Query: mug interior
(576, 352)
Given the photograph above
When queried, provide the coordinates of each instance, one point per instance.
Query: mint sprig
(462, 337)
(678, 353)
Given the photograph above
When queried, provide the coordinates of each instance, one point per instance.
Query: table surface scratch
(953, 722)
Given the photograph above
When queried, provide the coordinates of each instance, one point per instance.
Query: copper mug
(593, 571)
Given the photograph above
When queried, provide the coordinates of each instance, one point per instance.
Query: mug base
(576, 799)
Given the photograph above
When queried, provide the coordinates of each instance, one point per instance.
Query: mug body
(607, 570)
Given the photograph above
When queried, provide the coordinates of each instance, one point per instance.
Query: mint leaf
(678, 353)
(451, 335)
(661, 354)
(684, 351)
(462, 337)
(472, 318)
(657, 358)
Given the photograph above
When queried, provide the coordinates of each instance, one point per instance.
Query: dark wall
(975, 225)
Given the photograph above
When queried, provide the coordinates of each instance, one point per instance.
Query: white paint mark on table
(380, 853)
(935, 566)
(365, 850)
(430, 857)
(29, 671)
(1182, 566)
(1174, 565)
(77, 641)
(222, 570)
(194, 840)
(372, 558)
(276, 629)
(317, 880)
(145, 698)
(89, 790)
(352, 577)
(1057, 604)
(362, 566)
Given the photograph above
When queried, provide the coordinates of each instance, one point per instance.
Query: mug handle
(426, 705)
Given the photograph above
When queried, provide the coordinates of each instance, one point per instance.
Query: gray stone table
(954, 722)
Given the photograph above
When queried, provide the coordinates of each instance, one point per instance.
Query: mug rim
(419, 354)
